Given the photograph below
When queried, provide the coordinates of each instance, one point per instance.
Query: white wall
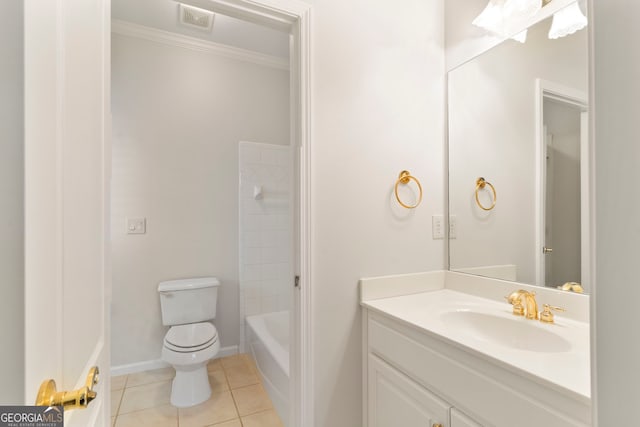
(615, 91)
(378, 108)
(178, 116)
(492, 134)
(11, 194)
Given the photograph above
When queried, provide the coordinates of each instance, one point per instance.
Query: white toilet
(192, 341)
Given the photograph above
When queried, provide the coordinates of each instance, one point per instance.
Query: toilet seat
(191, 337)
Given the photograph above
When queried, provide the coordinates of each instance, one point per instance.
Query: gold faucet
(530, 307)
(572, 287)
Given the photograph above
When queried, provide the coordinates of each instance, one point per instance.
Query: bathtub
(268, 342)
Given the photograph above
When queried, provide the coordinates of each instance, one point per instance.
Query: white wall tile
(269, 304)
(266, 230)
(252, 306)
(251, 256)
(270, 271)
(250, 272)
(268, 157)
(252, 239)
(275, 255)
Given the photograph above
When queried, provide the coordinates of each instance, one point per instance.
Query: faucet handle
(515, 300)
(514, 296)
(547, 316)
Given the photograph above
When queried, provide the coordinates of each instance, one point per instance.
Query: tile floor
(238, 398)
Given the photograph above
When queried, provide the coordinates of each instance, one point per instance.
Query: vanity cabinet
(412, 377)
(395, 400)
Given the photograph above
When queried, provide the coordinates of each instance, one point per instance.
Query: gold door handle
(76, 399)
(546, 250)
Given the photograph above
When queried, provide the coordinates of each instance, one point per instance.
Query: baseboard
(227, 351)
(132, 368)
(149, 365)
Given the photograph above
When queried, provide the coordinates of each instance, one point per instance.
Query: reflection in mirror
(517, 118)
(563, 141)
(11, 212)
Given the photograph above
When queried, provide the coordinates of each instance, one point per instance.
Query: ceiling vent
(195, 17)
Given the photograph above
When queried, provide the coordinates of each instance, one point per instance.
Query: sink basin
(515, 333)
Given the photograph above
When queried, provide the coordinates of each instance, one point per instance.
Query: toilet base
(190, 385)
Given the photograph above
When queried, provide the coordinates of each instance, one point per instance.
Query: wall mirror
(518, 161)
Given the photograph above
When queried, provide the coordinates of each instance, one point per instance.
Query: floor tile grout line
(233, 398)
(262, 412)
(245, 363)
(120, 403)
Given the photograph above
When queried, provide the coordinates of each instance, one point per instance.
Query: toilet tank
(188, 300)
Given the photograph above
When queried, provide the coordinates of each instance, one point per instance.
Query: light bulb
(567, 21)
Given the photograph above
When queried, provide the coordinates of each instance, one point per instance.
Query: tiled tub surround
(238, 398)
(265, 230)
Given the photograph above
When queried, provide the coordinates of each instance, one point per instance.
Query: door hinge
(296, 281)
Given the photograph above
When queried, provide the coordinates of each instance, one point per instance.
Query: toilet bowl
(187, 306)
(188, 348)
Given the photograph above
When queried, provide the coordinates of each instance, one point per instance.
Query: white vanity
(444, 349)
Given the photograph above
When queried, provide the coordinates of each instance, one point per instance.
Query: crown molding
(130, 29)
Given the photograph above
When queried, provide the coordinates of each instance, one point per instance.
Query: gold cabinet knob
(437, 425)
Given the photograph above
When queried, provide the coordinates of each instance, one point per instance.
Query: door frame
(294, 17)
(569, 96)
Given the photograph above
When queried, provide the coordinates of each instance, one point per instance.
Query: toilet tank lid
(186, 284)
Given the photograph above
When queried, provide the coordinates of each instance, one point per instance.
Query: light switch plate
(437, 227)
(136, 225)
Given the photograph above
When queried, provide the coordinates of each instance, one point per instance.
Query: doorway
(563, 189)
(292, 22)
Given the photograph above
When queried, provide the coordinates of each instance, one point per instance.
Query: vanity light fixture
(492, 17)
(567, 21)
(520, 9)
(499, 13)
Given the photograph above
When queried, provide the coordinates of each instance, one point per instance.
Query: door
(66, 63)
(396, 400)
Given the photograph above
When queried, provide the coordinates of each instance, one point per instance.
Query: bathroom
(201, 160)
(377, 97)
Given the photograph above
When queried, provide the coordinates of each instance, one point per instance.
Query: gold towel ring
(480, 184)
(404, 178)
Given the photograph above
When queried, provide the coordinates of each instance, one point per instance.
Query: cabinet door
(395, 400)
(458, 419)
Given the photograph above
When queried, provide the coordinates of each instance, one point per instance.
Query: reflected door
(561, 251)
